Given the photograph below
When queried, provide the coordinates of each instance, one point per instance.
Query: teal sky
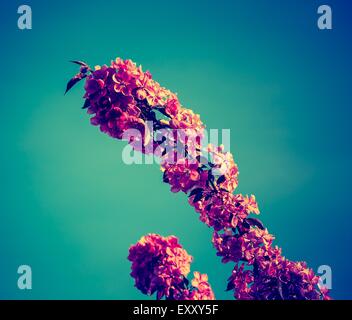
(70, 208)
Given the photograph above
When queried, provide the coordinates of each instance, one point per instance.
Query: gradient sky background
(70, 208)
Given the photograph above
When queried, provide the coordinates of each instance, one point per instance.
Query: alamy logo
(24, 281)
(325, 279)
(25, 20)
(324, 21)
(325, 18)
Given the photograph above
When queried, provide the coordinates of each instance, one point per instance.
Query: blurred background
(70, 208)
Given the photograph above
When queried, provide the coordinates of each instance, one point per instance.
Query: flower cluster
(222, 209)
(268, 275)
(281, 279)
(122, 97)
(183, 175)
(161, 265)
(248, 246)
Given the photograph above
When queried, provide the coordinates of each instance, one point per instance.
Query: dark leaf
(86, 104)
(151, 292)
(195, 191)
(159, 295)
(255, 270)
(255, 222)
(165, 178)
(198, 197)
(200, 170)
(73, 81)
(230, 286)
(208, 207)
(221, 179)
(208, 196)
(80, 63)
(210, 176)
(245, 224)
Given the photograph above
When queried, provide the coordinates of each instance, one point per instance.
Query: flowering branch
(122, 99)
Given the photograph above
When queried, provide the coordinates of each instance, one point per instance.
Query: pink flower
(172, 106)
(93, 86)
(187, 119)
(201, 288)
(224, 166)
